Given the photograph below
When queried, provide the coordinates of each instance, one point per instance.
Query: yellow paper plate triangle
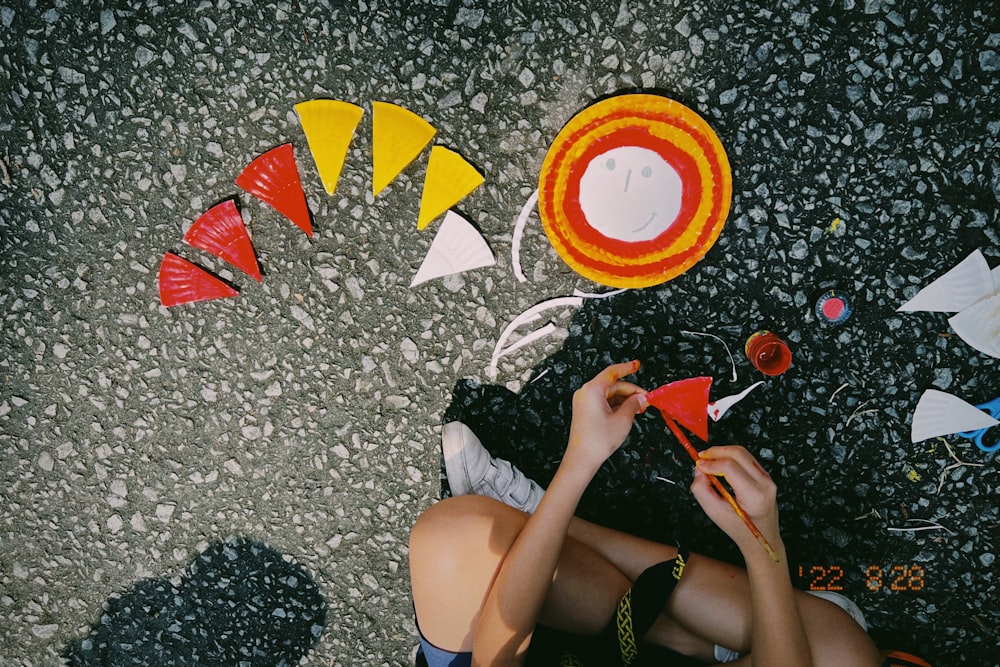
(398, 136)
(449, 179)
(329, 127)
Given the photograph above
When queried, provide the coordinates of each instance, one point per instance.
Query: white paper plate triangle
(940, 413)
(979, 325)
(970, 281)
(457, 247)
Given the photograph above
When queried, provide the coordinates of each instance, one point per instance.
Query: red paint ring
(684, 141)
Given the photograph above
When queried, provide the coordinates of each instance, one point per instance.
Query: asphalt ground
(160, 465)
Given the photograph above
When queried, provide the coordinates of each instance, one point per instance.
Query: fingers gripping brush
(686, 401)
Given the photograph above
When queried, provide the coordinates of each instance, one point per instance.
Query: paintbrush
(723, 491)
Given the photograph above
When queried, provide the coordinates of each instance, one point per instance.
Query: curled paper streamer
(528, 316)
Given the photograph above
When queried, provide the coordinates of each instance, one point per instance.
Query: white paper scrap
(515, 242)
(979, 325)
(718, 408)
(457, 247)
(939, 413)
(527, 316)
(599, 295)
(731, 360)
(528, 339)
(968, 282)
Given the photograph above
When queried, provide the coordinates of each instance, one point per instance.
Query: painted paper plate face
(634, 190)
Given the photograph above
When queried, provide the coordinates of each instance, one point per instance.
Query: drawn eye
(610, 164)
(647, 172)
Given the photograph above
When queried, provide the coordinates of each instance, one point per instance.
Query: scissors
(993, 409)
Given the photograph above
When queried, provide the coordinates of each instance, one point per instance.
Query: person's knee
(441, 517)
(448, 525)
(839, 640)
(460, 531)
(850, 650)
(430, 527)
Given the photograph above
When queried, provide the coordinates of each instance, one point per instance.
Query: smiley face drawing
(634, 190)
(630, 194)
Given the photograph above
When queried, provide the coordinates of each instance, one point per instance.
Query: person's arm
(777, 635)
(603, 410)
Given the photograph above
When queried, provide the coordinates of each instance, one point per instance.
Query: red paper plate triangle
(274, 179)
(220, 230)
(183, 282)
(686, 402)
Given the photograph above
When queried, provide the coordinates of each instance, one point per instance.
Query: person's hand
(752, 487)
(603, 411)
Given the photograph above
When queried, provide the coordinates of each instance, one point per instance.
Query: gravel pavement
(158, 464)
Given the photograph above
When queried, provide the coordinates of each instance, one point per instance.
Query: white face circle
(630, 194)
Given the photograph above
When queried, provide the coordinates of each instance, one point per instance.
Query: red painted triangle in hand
(686, 402)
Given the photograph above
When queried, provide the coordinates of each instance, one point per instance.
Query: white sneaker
(471, 470)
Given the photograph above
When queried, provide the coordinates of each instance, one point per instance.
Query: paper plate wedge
(686, 402)
(329, 127)
(449, 179)
(979, 325)
(457, 247)
(965, 284)
(940, 413)
(181, 282)
(398, 136)
(274, 179)
(221, 231)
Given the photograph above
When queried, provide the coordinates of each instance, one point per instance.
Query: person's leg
(456, 548)
(712, 600)
(458, 545)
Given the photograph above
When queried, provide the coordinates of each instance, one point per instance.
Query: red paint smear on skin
(686, 402)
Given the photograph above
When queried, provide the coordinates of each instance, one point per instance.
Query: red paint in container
(768, 353)
(833, 308)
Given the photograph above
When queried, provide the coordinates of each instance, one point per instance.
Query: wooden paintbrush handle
(723, 491)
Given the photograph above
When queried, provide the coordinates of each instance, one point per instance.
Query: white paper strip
(515, 242)
(527, 339)
(457, 247)
(596, 295)
(527, 316)
(721, 406)
(539, 376)
(968, 282)
(939, 413)
(731, 360)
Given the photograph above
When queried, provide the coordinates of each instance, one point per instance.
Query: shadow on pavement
(238, 603)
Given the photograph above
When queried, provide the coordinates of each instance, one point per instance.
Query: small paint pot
(768, 353)
(833, 308)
